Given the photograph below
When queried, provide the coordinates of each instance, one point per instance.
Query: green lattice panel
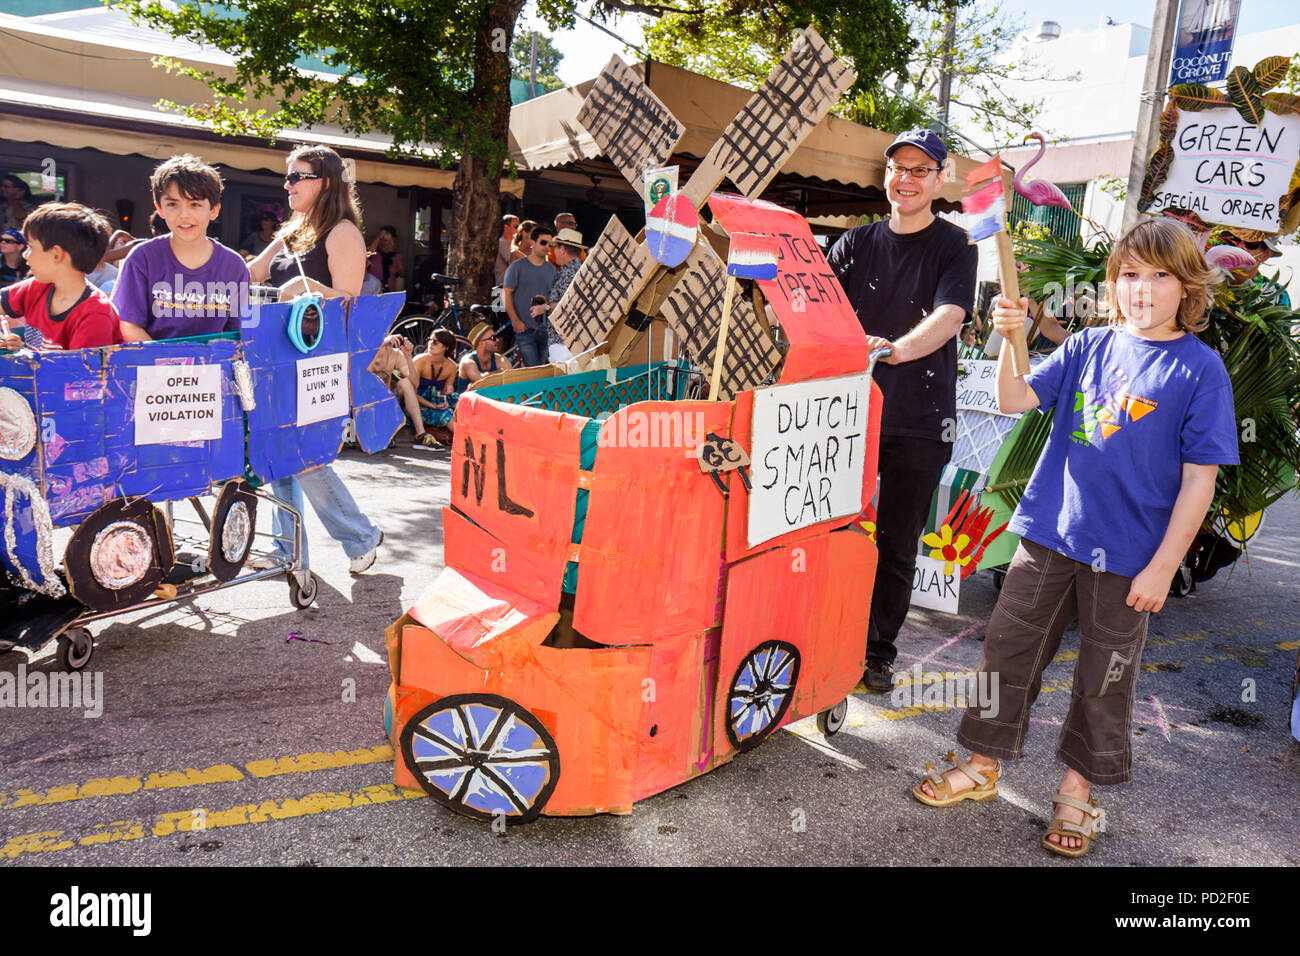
(590, 394)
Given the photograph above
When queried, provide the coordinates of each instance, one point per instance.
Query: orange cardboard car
(612, 618)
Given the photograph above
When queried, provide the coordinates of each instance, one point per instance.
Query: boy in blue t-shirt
(1143, 418)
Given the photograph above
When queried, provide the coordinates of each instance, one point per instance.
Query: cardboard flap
(477, 618)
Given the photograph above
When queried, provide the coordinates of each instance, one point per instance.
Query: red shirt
(91, 323)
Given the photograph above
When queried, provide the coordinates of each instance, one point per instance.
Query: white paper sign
(976, 382)
(1231, 172)
(808, 445)
(322, 388)
(177, 403)
(933, 589)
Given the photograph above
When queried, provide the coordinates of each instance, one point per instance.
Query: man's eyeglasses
(543, 242)
(296, 177)
(916, 172)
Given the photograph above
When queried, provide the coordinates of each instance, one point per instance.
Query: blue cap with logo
(923, 139)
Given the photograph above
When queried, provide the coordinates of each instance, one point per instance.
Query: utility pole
(532, 68)
(945, 69)
(1154, 82)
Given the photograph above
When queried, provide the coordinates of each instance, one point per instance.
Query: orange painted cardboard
(815, 595)
(816, 318)
(654, 526)
(514, 471)
(468, 547)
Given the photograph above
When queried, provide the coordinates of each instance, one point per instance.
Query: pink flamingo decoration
(1039, 192)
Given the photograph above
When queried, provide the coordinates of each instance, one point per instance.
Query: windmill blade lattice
(694, 313)
(604, 287)
(632, 126)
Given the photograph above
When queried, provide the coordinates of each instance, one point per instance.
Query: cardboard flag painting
(671, 229)
(753, 256)
(988, 204)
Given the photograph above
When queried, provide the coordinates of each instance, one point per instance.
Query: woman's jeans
(333, 504)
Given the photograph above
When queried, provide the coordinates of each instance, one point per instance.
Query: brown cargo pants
(1043, 592)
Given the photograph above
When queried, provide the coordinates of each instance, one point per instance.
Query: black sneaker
(879, 677)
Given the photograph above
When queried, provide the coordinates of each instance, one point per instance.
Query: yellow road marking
(199, 820)
(222, 773)
(320, 761)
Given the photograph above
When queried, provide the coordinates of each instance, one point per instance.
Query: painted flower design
(944, 548)
(869, 527)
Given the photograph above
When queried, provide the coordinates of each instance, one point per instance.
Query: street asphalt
(223, 743)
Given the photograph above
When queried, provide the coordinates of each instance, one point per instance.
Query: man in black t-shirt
(911, 281)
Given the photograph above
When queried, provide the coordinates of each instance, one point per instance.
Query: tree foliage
(547, 61)
(896, 47)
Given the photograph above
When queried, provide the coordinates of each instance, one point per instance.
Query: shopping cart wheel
(1182, 584)
(483, 756)
(761, 692)
(76, 647)
(830, 721)
(302, 596)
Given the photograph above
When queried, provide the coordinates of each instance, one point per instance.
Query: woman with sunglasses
(12, 264)
(322, 242)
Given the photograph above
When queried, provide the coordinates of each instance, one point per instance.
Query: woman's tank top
(315, 263)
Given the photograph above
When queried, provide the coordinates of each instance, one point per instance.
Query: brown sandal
(1094, 822)
(985, 788)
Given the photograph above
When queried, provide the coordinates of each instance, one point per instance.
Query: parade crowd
(911, 280)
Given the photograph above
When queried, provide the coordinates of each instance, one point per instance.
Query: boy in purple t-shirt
(183, 283)
(1143, 420)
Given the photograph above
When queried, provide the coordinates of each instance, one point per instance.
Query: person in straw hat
(483, 360)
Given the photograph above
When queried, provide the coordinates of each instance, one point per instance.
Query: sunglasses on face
(916, 172)
(543, 242)
(12, 242)
(295, 177)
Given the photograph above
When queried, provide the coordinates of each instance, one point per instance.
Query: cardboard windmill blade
(778, 117)
(632, 126)
(694, 312)
(602, 289)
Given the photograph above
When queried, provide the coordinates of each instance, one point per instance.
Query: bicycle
(419, 328)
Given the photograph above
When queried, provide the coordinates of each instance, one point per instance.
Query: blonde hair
(1169, 245)
(336, 201)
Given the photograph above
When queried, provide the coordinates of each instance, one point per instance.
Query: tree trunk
(476, 199)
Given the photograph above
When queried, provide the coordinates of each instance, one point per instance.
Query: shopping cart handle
(875, 355)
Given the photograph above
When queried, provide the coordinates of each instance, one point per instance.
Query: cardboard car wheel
(234, 523)
(119, 555)
(830, 721)
(76, 647)
(483, 756)
(760, 693)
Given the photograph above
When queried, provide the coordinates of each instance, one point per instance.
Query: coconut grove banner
(1205, 33)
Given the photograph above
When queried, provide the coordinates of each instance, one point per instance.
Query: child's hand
(1008, 317)
(1150, 589)
(12, 342)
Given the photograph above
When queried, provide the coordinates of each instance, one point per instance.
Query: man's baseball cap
(569, 237)
(15, 235)
(923, 139)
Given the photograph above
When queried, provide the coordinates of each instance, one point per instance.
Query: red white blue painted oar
(988, 206)
(750, 256)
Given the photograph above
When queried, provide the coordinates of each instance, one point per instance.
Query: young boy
(1143, 419)
(182, 283)
(62, 309)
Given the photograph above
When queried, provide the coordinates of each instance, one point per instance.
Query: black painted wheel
(76, 647)
(302, 595)
(830, 721)
(119, 555)
(760, 693)
(234, 522)
(483, 756)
